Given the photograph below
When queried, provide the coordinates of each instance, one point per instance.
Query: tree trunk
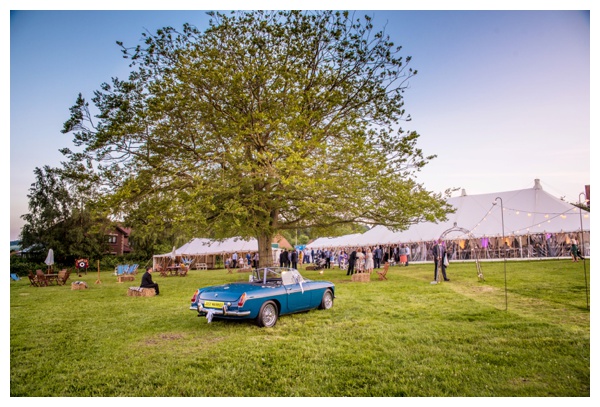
(265, 251)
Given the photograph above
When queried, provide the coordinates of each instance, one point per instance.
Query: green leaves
(265, 121)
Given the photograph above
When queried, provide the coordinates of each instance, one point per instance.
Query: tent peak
(463, 192)
(537, 184)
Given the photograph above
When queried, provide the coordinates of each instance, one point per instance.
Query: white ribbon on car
(209, 315)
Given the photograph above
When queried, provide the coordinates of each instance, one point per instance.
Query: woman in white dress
(360, 261)
(369, 261)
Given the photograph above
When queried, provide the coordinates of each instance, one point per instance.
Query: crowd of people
(233, 261)
(359, 259)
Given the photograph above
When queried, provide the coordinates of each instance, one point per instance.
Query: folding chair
(384, 271)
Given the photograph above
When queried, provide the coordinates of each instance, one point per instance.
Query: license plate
(213, 304)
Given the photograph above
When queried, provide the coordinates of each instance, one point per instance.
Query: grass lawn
(401, 337)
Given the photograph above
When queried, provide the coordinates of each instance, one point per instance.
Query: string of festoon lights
(548, 217)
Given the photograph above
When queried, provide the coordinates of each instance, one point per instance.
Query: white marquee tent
(201, 250)
(526, 212)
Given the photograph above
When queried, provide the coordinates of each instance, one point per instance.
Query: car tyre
(267, 316)
(327, 300)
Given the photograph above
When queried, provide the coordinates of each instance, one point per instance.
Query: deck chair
(384, 271)
(32, 279)
(63, 276)
(121, 269)
(183, 270)
(163, 272)
(133, 269)
(14, 277)
(41, 278)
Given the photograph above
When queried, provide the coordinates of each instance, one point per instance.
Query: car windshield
(278, 274)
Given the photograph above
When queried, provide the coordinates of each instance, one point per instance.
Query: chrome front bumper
(222, 311)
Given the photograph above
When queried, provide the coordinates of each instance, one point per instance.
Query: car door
(298, 298)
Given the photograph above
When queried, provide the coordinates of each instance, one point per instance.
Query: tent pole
(587, 296)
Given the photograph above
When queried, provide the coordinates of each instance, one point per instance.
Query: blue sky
(502, 97)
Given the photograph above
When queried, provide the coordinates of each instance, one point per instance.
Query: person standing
(294, 259)
(439, 252)
(369, 261)
(255, 260)
(234, 260)
(360, 261)
(282, 258)
(377, 254)
(403, 259)
(351, 262)
(575, 253)
(327, 255)
(407, 252)
(147, 280)
(342, 259)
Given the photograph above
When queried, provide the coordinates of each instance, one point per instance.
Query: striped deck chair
(122, 269)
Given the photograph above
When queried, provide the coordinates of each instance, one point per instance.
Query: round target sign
(82, 263)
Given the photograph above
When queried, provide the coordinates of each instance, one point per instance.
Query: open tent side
(533, 223)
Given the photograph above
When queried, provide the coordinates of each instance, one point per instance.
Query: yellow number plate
(213, 304)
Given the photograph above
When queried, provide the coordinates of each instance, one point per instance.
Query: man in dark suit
(377, 254)
(282, 258)
(294, 259)
(351, 262)
(439, 252)
(147, 280)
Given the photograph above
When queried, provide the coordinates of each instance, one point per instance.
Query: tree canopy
(264, 121)
(61, 218)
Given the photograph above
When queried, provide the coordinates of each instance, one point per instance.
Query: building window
(112, 239)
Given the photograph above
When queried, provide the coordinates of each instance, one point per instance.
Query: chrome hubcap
(269, 315)
(328, 301)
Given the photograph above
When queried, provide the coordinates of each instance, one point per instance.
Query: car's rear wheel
(267, 316)
(327, 300)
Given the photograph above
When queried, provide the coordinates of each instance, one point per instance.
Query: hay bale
(311, 267)
(129, 277)
(361, 277)
(79, 285)
(141, 292)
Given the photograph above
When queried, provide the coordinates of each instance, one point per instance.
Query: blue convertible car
(269, 293)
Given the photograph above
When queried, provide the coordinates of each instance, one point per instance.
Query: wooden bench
(361, 277)
(141, 292)
(201, 266)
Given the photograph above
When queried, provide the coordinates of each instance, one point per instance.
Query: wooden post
(98, 281)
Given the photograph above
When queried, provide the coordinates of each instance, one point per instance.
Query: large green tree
(263, 122)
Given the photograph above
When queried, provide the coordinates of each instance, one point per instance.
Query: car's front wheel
(267, 316)
(327, 300)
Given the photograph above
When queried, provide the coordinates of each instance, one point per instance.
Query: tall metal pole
(587, 296)
(503, 251)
